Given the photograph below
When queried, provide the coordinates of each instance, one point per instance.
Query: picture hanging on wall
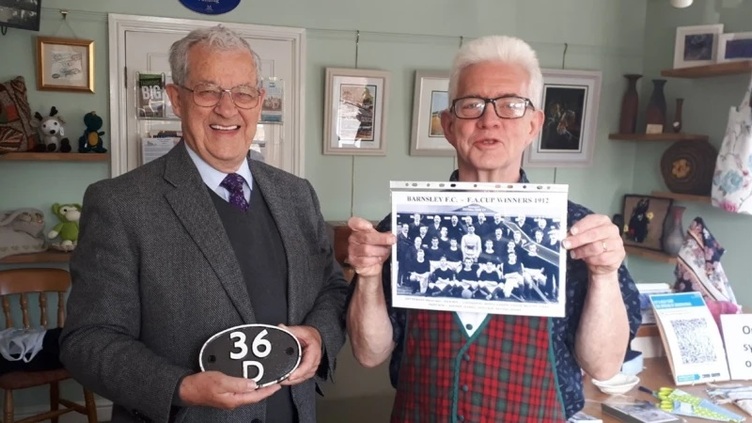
(23, 14)
(354, 114)
(696, 45)
(644, 217)
(65, 64)
(570, 104)
(430, 99)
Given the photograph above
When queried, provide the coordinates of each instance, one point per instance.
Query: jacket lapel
(281, 206)
(192, 204)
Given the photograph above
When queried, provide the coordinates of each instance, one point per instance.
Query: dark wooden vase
(629, 105)
(656, 113)
(676, 125)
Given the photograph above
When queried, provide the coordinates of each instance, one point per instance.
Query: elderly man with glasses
(202, 240)
(454, 367)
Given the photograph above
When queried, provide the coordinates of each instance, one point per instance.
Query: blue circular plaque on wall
(211, 7)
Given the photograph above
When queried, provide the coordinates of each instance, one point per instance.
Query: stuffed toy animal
(67, 229)
(91, 140)
(51, 132)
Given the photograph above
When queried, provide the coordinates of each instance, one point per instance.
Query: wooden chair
(26, 284)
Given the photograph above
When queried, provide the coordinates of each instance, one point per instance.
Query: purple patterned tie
(234, 183)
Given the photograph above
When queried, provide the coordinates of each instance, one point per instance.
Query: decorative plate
(263, 353)
(687, 167)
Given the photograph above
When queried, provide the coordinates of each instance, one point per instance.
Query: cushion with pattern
(16, 132)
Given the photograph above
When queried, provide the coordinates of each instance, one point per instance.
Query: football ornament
(263, 353)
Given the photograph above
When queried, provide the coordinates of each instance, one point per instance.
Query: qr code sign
(695, 344)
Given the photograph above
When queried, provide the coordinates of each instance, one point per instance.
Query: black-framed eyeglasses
(208, 95)
(506, 107)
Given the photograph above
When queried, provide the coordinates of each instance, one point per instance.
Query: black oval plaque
(263, 353)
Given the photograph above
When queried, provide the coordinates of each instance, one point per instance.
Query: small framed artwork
(570, 104)
(644, 217)
(734, 47)
(23, 14)
(430, 99)
(65, 64)
(272, 109)
(696, 45)
(354, 115)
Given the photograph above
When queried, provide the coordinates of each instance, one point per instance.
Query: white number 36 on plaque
(263, 353)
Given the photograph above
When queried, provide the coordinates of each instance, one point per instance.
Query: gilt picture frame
(354, 112)
(570, 104)
(430, 99)
(65, 64)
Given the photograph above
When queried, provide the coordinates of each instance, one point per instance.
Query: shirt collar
(213, 177)
(455, 177)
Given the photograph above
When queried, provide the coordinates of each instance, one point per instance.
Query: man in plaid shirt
(473, 367)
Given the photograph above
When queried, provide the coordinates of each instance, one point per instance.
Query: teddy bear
(91, 140)
(67, 228)
(51, 132)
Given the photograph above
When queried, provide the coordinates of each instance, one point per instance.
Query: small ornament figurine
(51, 132)
(91, 140)
(676, 125)
(67, 229)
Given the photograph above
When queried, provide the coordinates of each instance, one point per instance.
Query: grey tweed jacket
(154, 276)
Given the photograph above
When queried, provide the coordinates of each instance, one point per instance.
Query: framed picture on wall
(644, 217)
(696, 45)
(65, 64)
(430, 99)
(734, 47)
(570, 104)
(23, 14)
(354, 115)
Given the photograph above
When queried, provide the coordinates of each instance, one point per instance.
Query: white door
(141, 44)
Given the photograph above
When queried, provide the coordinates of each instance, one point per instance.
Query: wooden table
(655, 375)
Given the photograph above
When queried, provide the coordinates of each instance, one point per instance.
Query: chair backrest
(30, 282)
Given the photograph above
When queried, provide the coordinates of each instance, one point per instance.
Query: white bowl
(619, 384)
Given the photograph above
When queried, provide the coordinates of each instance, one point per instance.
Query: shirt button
(469, 326)
(465, 388)
(461, 418)
(466, 357)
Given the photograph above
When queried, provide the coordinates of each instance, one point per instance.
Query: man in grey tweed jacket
(164, 262)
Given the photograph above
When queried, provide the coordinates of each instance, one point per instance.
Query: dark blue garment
(564, 329)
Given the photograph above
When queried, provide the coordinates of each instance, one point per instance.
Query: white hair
(499, 48)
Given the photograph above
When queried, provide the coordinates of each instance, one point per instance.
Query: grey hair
(499, 48)
(217, 37)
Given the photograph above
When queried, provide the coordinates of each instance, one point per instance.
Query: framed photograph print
(430, 99)
(734, 47)
(696, 45)
(23, 14)
(354, 116)
(65, 64)
(644, 217)
(570, 104)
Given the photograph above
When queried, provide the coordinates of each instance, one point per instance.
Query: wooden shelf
(718, 69)
(682, 197)
(57, 157)
(649, 254)
(49, 256)
(666, 136)
(648, 329)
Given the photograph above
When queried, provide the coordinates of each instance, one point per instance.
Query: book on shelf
(690, 336)
(645, 289)
(638, 412)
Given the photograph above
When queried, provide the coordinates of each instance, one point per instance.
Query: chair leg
(91, 406)
(54, 399)
(8, 408)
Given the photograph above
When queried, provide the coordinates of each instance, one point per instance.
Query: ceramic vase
(676, 125)
(629, 104)
(673, 231)
(656, 113)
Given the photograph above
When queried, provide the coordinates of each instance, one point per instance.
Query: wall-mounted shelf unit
(49, 256)
(718, 69)
(56, 157)
(650, 254)
(682, 197)
(666, 136)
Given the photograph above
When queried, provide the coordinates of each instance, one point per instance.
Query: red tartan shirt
(504, 372)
